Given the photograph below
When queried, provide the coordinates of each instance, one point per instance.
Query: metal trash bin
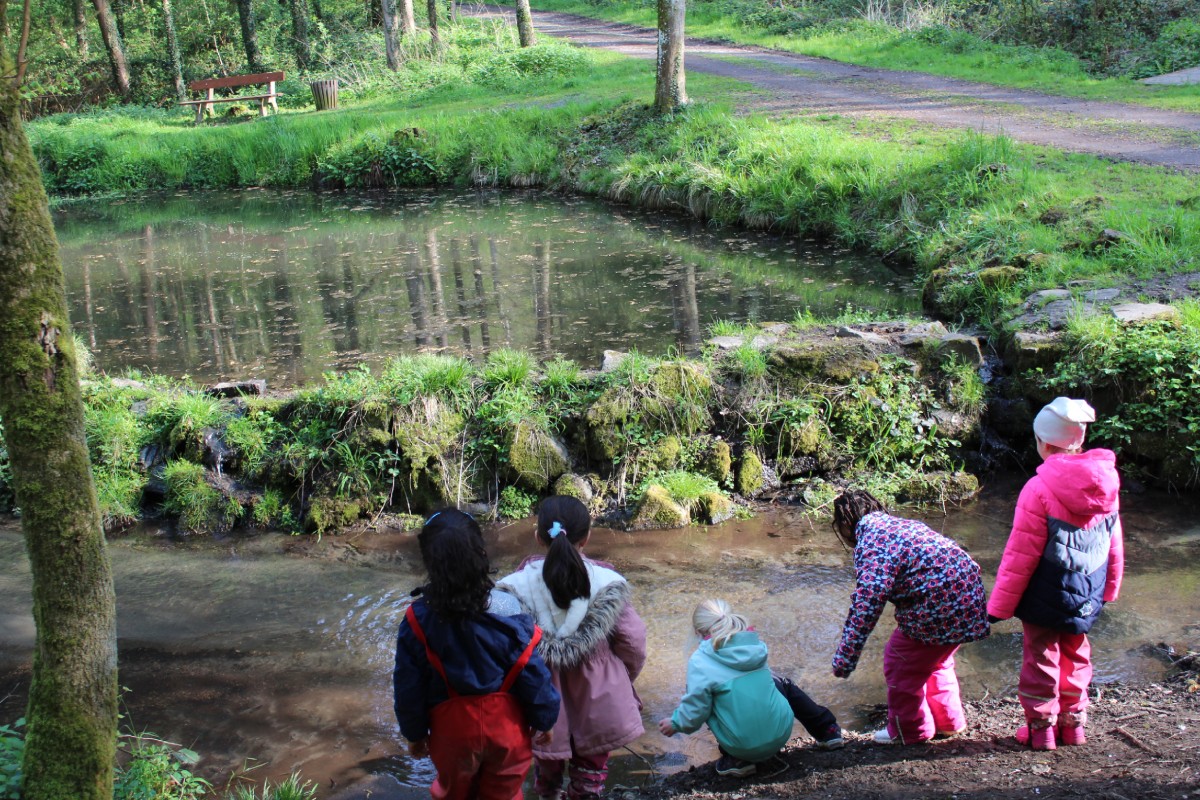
(325, 93)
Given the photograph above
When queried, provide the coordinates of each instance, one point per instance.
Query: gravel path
(795, 84)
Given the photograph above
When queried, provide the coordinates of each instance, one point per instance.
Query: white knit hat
(1063, 423)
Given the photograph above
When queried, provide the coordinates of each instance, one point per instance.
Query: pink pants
(922, 689)
(1055, 673)
(586, 774)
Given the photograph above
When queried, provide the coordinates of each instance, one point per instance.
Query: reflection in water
(287, 286)
(239, 648)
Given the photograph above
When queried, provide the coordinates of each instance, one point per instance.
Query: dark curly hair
(452, 549)
(564, 572)
(850, 507)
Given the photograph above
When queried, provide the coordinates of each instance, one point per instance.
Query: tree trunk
(374, 11)
(389, 34)
(432, 8)
(299, 11)
(525, 24)
(173, 50)
(72, 716)
(408, 23)
(81, 39)
(118, 9)
(112, 43)
(254, 58)
(669, 92)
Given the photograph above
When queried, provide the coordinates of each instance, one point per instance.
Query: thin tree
(72, 714)
(669, 91)
(81, 39)
(299, 12)
(431, 7)
(254, 58)
(525, 24)
(173, 51)
(408, 22)
(112, 43)
(390, 47)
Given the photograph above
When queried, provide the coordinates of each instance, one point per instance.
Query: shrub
(516, 503)
(12, 750)
(156, 771)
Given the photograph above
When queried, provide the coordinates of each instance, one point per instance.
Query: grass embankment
(995, 219)
(934, 48)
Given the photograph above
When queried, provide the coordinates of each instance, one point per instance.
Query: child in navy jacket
(469, 683)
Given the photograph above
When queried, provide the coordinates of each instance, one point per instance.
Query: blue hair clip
(556, 529)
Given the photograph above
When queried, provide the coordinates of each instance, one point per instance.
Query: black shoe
(832, 740)
(735, 767)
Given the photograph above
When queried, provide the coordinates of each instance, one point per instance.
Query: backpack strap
(511, 677)
(434, 661)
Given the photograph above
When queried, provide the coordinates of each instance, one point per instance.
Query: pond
(279, 649)
(286, 286)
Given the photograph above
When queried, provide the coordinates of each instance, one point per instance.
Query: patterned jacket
(936, 587)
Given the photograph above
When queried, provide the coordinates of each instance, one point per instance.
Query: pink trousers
(1055, 673)
(922, 689)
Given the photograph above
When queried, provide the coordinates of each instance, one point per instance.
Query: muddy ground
(1143, 744)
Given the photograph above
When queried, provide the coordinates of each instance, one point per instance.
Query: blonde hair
(715, 619)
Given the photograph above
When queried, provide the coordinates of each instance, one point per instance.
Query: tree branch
(21, 63)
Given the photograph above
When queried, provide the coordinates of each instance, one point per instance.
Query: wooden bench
(208, 86)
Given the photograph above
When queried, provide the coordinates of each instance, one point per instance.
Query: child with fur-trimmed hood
(594, 643)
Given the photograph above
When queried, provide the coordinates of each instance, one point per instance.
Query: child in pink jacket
(1063, 561)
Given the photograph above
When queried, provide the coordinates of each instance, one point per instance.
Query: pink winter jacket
(1078, 489)
(594, 650)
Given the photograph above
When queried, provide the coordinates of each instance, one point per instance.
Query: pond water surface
(286, 286)
(279, 649)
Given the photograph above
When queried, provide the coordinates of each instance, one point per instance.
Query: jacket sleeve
(1116, 563)
(696, 706)
(876, 575)
(628, 641)
(1026, 544)
(409, 680)
(535, 691)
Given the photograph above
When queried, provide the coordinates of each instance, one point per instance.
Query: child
(464, 655)
(729, 687)
(938, 593)
(1063, 561)
(595, 645)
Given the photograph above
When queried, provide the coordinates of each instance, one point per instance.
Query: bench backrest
(235, 80)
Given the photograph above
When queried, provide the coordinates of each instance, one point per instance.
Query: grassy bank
(927, 44)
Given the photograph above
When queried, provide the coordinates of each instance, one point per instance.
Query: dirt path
(794, 84)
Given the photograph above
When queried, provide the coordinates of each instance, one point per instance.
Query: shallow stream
(279, 649)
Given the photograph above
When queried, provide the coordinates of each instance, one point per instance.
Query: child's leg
(941, 691)
(505, 760)
(588, 774)
(907, 665)
(1075, 673)
(1038, 684)
(457, 760)
(548, 776)
(816, 719)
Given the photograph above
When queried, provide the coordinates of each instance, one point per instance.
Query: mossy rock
(812, 438)
(716, 507)
(606, 419)
(656, 510)
(331, 514)
(717, 461)
(426, 431)
(663, 455)
(822, 360)
(998, 277)
(935, 299)
(682, 379)
(939, 487)
(751, 476)
(572, 485)
(535, 457)
(202, 506)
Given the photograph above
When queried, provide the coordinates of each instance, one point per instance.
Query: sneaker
(735, 767)
(833, 739)
(1037, 738)
(883, 737)
(1071, 735)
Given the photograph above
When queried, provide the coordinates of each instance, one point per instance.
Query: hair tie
(556, 529)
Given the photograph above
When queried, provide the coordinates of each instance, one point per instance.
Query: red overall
(480, 743)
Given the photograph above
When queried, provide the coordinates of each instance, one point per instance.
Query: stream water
(286, 286)
(279, 649)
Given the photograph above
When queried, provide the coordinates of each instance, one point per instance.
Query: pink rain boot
(1039, 738)
(1070, 728)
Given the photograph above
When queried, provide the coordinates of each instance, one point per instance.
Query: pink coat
(1079, 490)
(593, 664)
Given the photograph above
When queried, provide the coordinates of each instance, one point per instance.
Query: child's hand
(419, 748)
(543, 737)
(666, 728)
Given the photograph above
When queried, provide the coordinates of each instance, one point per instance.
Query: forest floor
(791, 84)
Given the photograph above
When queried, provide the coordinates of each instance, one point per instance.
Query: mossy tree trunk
(112, 43)
(669, 91)
(72, 717)
(431, 7)
(173, 51)
(79, 8)
(254, 57)
(408, 22)
(525, 24)
(303, 49)
(391, 50)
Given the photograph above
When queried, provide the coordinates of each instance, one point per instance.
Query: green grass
(936, 50)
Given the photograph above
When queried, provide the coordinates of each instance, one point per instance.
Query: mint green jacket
(732, 690)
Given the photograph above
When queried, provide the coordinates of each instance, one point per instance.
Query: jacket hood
(743, 651)
(1086, 483)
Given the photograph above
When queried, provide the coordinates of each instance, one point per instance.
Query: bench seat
(209, 85)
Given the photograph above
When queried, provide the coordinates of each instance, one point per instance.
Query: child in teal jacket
(730, 687)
